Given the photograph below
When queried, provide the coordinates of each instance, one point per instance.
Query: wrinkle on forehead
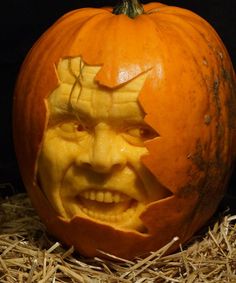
(78, 90)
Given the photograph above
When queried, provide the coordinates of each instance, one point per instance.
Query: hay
(28, 254)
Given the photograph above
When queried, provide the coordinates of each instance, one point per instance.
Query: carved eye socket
(80, 128)
(72, 126)
(138, 135)
(143, 132)
(69, 127)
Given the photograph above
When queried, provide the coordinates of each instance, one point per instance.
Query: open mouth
(108, 206)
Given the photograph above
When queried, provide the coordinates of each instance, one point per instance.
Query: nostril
(96, 167)
(101, 167)
(87, 165)
(117, 167)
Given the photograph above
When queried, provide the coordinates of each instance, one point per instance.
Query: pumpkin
(124, 127)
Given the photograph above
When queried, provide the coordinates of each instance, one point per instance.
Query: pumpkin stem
(131, 8)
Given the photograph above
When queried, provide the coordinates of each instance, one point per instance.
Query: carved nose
(106, 153)
(103, 167)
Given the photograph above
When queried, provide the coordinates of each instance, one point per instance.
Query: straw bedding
(28, 254)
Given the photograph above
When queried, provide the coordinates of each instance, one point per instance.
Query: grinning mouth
(108, 206)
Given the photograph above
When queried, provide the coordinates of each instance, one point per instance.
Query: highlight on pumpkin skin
(90, 162)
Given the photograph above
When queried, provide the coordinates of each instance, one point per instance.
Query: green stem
(131, 8)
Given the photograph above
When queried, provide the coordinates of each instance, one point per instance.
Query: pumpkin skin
(188, 97)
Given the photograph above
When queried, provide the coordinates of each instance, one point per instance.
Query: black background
(22, 22)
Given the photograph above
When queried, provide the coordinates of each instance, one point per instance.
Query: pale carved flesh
(90, 162)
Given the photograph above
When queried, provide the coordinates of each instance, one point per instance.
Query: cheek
(134, 155)
(55, 157)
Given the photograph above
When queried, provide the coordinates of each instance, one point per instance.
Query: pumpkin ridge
(140, 37)
(219, 82)
(216, 83)
(153, 7)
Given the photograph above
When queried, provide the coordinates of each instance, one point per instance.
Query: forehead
(79, 92)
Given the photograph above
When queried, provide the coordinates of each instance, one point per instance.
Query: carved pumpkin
(124, 127)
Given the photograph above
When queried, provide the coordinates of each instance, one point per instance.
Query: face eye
(143, 132)
(71, 131)
(138, 135)
(80, 128)
(71, 127)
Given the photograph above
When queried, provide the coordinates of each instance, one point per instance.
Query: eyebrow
(59, 107)
(62, 110)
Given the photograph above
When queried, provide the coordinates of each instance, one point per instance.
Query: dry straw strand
(29, 255)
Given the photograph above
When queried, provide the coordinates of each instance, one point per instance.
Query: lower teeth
(106, 217)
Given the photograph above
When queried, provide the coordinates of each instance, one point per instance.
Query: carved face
(97, 137)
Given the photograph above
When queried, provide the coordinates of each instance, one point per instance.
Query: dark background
(22, 22)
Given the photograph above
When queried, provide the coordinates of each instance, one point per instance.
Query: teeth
(104, 196)
(107, 206)
(108, 218)
(93, 196)
(99, 196)
(117, 198)
(108, 197)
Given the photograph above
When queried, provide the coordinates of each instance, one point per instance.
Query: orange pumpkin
(188, 100)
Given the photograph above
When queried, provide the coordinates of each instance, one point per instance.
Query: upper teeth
(104, 196)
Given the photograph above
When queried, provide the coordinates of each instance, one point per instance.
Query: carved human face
(90, 162)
